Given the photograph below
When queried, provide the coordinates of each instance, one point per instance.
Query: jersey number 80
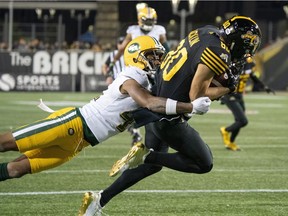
(174, 61)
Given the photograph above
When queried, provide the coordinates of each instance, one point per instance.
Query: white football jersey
(102, 115)
(156, 31)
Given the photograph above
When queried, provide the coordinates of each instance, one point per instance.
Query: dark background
(205, 12)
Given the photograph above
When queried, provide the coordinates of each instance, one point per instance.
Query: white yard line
(150, 191)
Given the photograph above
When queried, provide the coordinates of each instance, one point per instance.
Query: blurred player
(236, 104)
(185, 74)
(118, 67)
(52, 141)
(147, 19)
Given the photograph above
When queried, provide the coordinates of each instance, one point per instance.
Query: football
(219, 81)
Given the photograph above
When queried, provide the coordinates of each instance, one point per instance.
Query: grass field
(252, 182)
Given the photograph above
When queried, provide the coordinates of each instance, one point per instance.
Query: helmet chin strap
(149, 70)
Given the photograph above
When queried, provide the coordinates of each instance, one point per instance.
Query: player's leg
(238, 110)
(7, 142)
(132, 176)
(127, 179)
(59, 138)
(224, 133)
(16, 168)
(46, 144)
(193, 154)
(35, 161)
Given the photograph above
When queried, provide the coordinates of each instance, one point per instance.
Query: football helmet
(242, 35)
(147, 18)
(144, 52)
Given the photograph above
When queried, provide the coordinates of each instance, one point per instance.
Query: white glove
(201, 105)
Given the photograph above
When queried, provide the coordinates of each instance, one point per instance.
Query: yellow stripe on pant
(52, 141)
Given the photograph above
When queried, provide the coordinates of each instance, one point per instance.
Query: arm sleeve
(166, 46)
(108, 60)
(256, 80)
(143, 116)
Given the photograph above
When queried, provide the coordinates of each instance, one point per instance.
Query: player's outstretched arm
(163, 105)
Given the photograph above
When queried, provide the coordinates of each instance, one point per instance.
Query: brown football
(220, 80)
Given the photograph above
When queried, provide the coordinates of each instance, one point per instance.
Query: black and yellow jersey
(203, 46)
(244, 77)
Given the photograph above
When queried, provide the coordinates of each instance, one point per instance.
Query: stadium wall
(273, 63)
(52, 71)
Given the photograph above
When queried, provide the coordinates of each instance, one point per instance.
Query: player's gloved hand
(269, 90)
(232, 81)
(201, 105)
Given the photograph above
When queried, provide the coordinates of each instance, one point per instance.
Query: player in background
(186, 73)
(111, 75)
(235, 102)
(147, 19)
(52, 141)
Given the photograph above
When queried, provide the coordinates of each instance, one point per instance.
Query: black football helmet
(242, 35)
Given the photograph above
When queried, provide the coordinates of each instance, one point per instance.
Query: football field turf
(252, 182)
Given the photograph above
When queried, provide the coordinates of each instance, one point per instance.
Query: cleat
(225, 135)
(233, 147)
(90, 205)
(134, 158)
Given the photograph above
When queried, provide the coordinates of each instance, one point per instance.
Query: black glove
(268, 90)
(235, 69)
(232, 81)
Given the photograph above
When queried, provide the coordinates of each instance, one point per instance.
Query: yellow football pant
(52, 141)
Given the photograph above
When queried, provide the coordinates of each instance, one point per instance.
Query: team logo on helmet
(133, 47)
(229, 30)
(250, 38)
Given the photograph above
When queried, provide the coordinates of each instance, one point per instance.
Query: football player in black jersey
(236, 104)
(185, 74)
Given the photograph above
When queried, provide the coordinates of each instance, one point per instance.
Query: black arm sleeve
(143, 116)
(257, 81)
(108, 60)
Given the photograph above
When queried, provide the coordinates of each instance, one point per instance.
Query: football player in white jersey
(147, 19)
(52, 141)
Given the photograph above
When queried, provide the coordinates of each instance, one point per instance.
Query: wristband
(171, 106)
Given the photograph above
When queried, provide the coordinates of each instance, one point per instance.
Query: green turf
(251, 182)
